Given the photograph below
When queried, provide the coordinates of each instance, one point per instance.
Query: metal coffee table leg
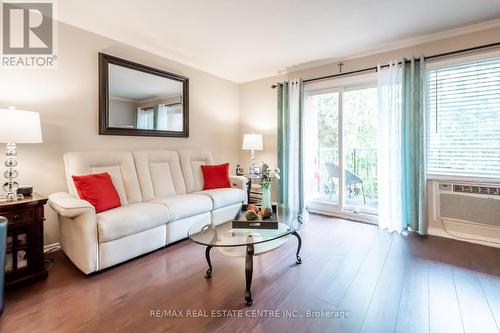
(299, 259)
(248, 274)
(207, 255)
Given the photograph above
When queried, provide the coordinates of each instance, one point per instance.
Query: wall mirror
(139, 100)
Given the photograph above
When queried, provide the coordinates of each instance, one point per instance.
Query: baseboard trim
(50, 247)
(465, 237)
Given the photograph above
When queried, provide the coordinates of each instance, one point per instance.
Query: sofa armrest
(239, 182)
(67, 205)
(77, 230)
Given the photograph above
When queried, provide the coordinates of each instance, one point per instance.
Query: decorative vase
(266, 196)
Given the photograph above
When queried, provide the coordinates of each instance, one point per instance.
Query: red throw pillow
(215, 176)
(98, 189)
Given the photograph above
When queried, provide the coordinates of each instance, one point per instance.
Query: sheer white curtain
(295, 196)
(146, 118)
(389, 81)
(310, 148)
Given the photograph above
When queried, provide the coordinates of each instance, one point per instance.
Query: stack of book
(255, 192)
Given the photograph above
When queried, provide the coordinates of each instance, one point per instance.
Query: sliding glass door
(340, 150)
(321, 147)
(360, 149)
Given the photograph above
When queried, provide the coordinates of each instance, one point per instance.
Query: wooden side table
(24, 256)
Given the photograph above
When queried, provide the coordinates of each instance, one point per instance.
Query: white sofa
(161, 194)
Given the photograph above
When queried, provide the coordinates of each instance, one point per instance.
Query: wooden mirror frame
(105, 129)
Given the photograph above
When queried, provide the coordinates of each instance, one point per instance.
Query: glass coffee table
(249, 242)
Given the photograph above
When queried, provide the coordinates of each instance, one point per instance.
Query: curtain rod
(369, 69)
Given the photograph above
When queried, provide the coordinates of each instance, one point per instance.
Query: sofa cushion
(222, 197)
(215, 176)
(98, 189)
(191, 162)
(126, 220)
(119, 164)
(159, 173)
(185, 205)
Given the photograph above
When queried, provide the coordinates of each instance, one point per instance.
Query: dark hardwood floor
(368, 280)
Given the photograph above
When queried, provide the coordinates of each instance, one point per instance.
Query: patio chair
(350, 178)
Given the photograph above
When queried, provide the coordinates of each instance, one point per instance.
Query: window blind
(463, 119)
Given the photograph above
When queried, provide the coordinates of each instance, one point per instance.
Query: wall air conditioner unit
(472, 203)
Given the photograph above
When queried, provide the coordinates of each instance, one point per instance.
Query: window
(463, 113)
(169, 117)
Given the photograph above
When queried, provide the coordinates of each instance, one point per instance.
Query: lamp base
(11, 186)
(7, 197)
(252, 161)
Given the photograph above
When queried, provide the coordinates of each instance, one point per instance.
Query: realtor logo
(27, 34)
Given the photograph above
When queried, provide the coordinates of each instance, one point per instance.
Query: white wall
(67, 99)
(258, 105)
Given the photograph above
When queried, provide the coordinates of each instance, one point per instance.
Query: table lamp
(17, 126)
(252, 142)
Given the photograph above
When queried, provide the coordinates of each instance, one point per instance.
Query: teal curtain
(290, 143)
(156, 108)
(283, 120)
(413, 180)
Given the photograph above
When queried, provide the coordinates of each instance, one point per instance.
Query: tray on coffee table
(241, 222)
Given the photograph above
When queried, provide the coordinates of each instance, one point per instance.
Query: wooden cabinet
(24, 253)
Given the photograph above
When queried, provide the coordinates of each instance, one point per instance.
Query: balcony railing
(360, 161)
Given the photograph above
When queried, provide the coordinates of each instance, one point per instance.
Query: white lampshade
(18, 126)
(252, 142)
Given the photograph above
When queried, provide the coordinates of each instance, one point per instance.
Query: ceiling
(244, 40)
